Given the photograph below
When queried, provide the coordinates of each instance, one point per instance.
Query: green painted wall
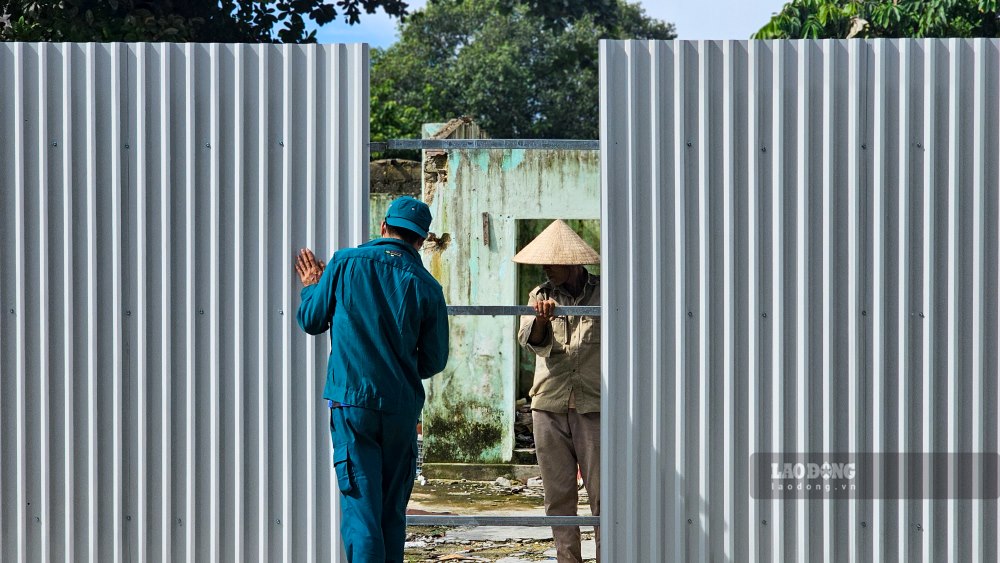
(469, 414)
(378, 205)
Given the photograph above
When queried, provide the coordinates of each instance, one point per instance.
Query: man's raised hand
(308, 268)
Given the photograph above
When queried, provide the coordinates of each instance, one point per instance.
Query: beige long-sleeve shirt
(568, 362)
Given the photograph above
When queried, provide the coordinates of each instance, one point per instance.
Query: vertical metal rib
(978, 264)
(608, 109)
(166, 310)
(215, 489)
(263, 459)
(854, 372)
(239, 515)
(190, 519)
(19, 300)
(881, 156)
(116, 301)
(140, 305)
(905, 309)
(655, 509)
(680, 245)
(777, 309)
(45, 434)
(928, 287)
(286, 334)
(728, 240)
(92, 451)
(69, 367)
(803, 322)
(757, 509)
(309, 411)
(359, 129)
(632, 543)
(955, 75)
(828, 187)
(704, 310)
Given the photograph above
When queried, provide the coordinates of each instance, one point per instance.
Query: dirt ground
(506, 498)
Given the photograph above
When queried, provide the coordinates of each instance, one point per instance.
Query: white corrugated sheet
(158, 401)
(800, 250)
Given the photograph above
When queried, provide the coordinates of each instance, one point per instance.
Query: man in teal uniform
(388, 330)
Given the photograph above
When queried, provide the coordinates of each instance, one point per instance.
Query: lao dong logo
(823, 470)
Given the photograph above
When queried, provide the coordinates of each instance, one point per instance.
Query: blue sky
(695, 19)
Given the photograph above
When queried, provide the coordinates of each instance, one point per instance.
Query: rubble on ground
(503, 496)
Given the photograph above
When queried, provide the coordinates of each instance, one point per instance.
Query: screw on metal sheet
(864, 313)
(920, 145)
(922, 315)
(127, 147)
(763, 149)
(281, 311)
(128, 313)
(691, 314)
(37, 519)
(920, 528)
(689, 143)
(12, 311)
(690, 521)
(208, 146)
(864, 524)
(201, 311)
(281, 143)
(278, 521)
(179, 523)
(763, 315)
(128, 517)
(763, 522)
(55, 144)
(864, 146)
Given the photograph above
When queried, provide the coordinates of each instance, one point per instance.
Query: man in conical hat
(566, 393)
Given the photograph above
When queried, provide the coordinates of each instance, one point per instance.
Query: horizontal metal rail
(459, 144)
(502, 310)
(441, 520)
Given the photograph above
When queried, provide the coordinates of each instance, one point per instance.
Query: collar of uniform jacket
(394, 242)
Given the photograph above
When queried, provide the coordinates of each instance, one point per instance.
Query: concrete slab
(500, 533)
(588, 548)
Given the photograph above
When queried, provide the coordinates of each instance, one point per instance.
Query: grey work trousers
(563, 441)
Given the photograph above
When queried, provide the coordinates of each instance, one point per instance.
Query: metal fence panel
(800, 249)
(158, 402)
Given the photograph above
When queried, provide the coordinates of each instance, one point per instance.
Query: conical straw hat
(558, 245)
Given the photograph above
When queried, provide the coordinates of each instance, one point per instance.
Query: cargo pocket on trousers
(342, 465)
(415, 464)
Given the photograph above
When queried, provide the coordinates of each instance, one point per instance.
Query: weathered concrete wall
(469, 415)
(390, 178)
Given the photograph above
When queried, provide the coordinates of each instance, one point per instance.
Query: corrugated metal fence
(800, 255)
(158, 403)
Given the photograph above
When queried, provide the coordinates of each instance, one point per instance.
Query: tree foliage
(236, 21)
(519, 68)
(819, 19)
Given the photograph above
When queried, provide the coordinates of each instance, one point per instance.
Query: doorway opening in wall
(530, 276)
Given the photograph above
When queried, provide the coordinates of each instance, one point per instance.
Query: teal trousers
(375, 458)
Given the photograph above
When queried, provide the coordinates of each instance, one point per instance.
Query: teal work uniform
(388, 330)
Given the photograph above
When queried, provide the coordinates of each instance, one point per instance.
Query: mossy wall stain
(470, 432)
